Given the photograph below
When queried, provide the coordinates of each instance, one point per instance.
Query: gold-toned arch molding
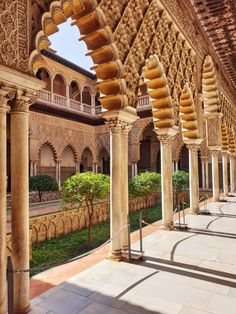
(209, 87)
(224, 136)
(98, 37)
(232, 147)
(158, 90)
(188, 116)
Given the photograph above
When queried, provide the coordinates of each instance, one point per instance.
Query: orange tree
(180, 180)
(42, 184)
(145, 185)
(86, 188)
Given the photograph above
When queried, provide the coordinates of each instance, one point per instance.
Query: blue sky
(66, 43)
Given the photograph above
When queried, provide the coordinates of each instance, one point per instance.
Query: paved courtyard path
(187, 272)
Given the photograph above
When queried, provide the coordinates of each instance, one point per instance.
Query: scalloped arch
(209, 87)
(54, 152)
(188, 115)
(89, 149)
(71, 146)
(159, 92)
(98, 37)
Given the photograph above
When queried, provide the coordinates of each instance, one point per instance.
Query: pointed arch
(98, 37)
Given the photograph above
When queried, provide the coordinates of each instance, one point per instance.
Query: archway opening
(68, 163)
(86, 161)
(47, 163)
(149, 148)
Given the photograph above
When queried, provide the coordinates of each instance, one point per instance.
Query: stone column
(166, 180)
(35, 168)
(225, 172)
(215, 175)
(59, 173)
(95, 167)
(193, 178)
(124, 186)
(118, 121)
(116, 188)
(176, 165)
(207, 175)
(3, 194)
(20, 201)
(203, 173)
(232, 174)
(134, 169)
(31, 168)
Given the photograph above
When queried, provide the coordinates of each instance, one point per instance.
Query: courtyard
(183, 271)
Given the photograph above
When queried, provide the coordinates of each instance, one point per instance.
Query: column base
(193, 211)
(167, 227)
(216, 199)
(115, 256)
(23, 311)
(125, 248)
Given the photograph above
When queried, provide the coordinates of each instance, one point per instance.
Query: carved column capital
(165, 138)
(22, 102)
(193, 147)
(224, 153)
(215, 152)
(118, 126)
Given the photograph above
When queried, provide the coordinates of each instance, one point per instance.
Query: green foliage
(42, 184)
(73, 244)
(145, 185)
(180, 181)
(88, 188)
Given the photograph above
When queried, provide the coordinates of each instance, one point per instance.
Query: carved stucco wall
(59, 133)
(14, 34)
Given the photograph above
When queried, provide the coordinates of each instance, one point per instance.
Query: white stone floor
(185, 272)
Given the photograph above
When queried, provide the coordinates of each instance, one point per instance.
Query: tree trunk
(90, 232)
(146, 203)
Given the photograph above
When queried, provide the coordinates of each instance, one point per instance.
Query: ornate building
(166, 76)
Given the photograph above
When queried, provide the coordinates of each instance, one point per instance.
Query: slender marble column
(95, 167)
(3, 194)
(193, 178)
(225, 172)
(203, 173)
(176, 165)
(31, 168)
(124, 186)
(59, 173)
(215, 175)
(232, 174)
(207, 175)
(35, 168)
(166, 181)
(116, 188)
(20, 202)
(118, 121)
(134, 169)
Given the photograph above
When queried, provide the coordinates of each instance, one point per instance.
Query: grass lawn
(66, 247)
